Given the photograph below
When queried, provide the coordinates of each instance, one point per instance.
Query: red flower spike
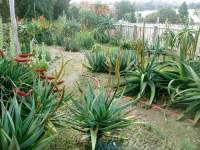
(20, 59)
(22, 93)
(40, 70)
(1, 53)
(24, 55)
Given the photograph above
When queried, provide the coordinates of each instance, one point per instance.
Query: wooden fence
(135, 30)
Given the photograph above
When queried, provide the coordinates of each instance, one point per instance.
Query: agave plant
(127, 60)
(96, 61)
(185, 93)
(96, 113)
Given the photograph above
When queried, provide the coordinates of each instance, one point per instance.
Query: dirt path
(73, 69)
(170, 134)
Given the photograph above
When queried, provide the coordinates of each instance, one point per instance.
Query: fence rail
(135, 30)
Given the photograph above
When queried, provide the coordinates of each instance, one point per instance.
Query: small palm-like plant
(97, 113)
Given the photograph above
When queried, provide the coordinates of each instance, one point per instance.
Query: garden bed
(161, 132)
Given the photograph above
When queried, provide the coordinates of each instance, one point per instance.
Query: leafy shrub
(126, 44)
(88, 19)
(115, 40)
(39, 64)
(40, 30)
(101, 36)
(85, 39)
(65, 29)
(72, 45)
(40, 51)
(96, 114)
(71, 27)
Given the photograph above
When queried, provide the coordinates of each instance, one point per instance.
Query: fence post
(121, 30)
(134, 32)
(198, 47)
(155, 33)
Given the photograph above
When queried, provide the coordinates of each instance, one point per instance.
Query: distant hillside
(158, 4)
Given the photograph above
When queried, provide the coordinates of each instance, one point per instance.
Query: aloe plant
(31, 122)
(147, 79)
(96, 113)
(185, 94)
(96, 61)
(106, 62)
(127, 60)
(14, 74)
(20, 129)
(186, 42)
(150, 81)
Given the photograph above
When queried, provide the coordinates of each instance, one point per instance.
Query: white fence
(135, 30)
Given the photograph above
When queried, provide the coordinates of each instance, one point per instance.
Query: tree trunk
(14, 25)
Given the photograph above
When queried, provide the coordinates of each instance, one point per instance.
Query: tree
(14, 25)
(34, 8)
(183, 13)
(123, 8)
(89, 19)
(130, 17)
(73, 13)
(4, 10)
(197, 13)
(50, 9)
(165, 14)
(60, 7)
